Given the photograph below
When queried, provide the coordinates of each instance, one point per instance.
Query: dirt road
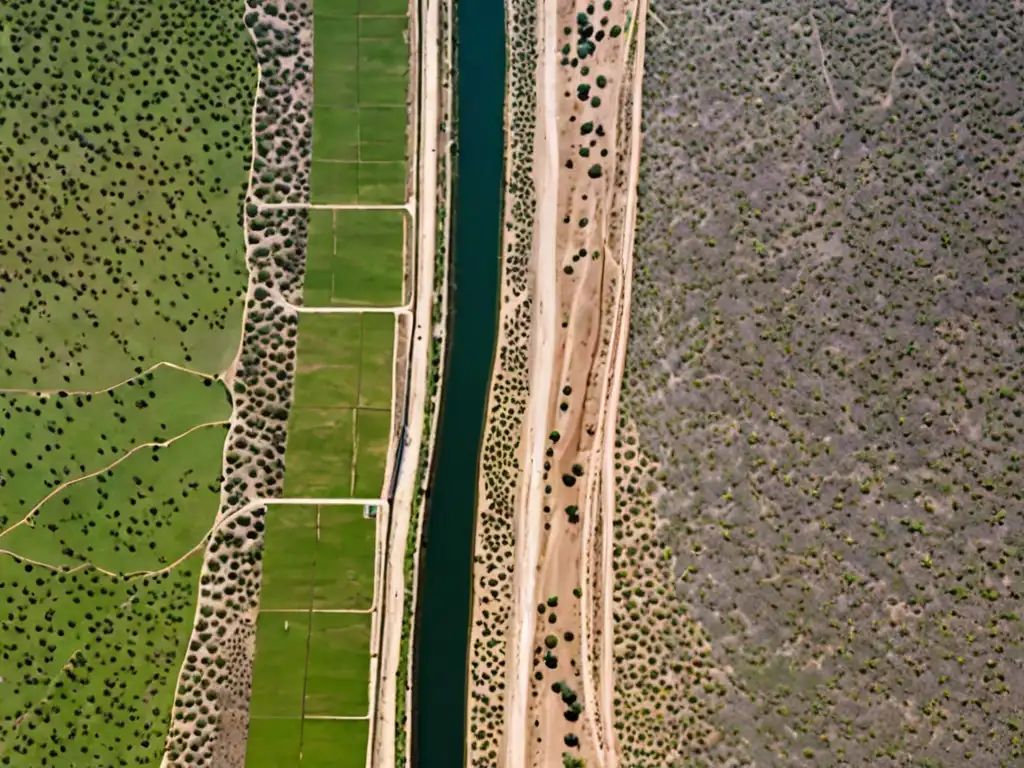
(608, 474)
(542, 340)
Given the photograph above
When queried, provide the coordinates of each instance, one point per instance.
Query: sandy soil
(575, 364)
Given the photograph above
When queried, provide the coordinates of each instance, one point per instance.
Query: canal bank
(443, 615)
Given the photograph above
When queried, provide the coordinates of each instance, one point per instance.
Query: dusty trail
(64, 486)
(622, 336)
(161, 364)
(542, 339)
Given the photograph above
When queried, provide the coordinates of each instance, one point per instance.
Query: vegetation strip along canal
(442, 630)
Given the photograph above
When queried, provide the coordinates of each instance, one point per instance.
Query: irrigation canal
(442, 633)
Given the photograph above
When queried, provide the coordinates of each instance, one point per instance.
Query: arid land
(540, 687)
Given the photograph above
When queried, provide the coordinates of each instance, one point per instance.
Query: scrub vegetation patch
(825, 366)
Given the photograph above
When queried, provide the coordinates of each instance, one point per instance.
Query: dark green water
(442, 633)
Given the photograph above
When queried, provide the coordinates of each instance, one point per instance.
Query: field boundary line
(161, 364)
(408, 206)
(318, 610)
(310, 717)
(295, 501)
(63, 486)
(399, 311)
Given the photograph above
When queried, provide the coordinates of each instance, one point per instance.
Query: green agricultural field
(274, 743)
(141, 515)
(360, 84)
(319, 454)
(338, 666)
(320, 558)
(327, 370)
(345, 559)
(278, 681)
(90, 663)
(289, 554)
(309, 665)
(123, 178)
(336, 450)
(64, 437)
(334, 743)
(378, 362)
(373, 430)
(355, 258)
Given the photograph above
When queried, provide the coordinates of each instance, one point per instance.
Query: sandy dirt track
(542, 339)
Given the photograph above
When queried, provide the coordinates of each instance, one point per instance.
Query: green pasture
(277, 743)
(318, 558)
(141, 515)
(63, 437)
(338, 433)
(90, 663)
(332, 651)
(274, 743)
(278, 677)
(334, 743)
(360, 84)
(338, 667)
(345, 559)
(372, 430)
(121, 246)
(355, 258)
(319, 455)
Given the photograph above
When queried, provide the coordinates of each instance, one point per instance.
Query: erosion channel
(442, 630)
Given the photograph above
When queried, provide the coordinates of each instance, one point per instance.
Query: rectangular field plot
(288, 557)
(381, 183)
(339, 428)
(345, 559)
(360, 84)
(338, 667)
(274, 742)
(318, 459)
(327, 373)
(318, 557)
(334, 743)
(372, 430)
(281, 643)
(355, 258)
(377, 362)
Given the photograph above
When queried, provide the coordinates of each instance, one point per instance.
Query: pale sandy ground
(542, 339)
(586, 351)
(608, 474)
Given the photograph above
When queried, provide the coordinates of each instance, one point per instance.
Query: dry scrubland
(824, 377)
